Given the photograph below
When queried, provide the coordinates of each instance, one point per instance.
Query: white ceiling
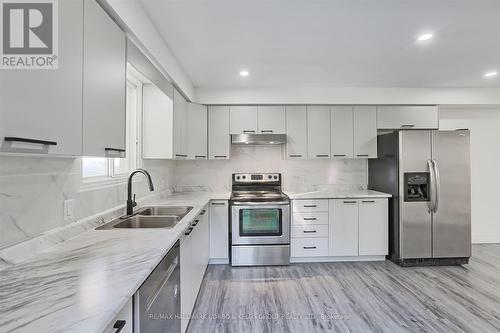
(338, 43)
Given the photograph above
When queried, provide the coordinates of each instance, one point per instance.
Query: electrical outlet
(69, 209)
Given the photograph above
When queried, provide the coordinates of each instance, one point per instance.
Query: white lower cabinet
(343, 227)
(339, 228)
(373, 227)
(122, 320)
(194, 250)
(219, 231)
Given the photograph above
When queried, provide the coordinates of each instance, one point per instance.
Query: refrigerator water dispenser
(416, 186)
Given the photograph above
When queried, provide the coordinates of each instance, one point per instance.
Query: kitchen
(249, 166)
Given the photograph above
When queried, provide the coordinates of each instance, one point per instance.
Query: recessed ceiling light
(424, 37)
(244, 73)
(491, 74)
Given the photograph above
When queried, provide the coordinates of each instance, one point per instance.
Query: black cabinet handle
(218, 204)
(195, 223)
(181, 155)
(220, 156)
(309, 231)
(119, 325)
(339, 155)
(368, 201)
(187, 233)
(362, 155)
(295, 155)
(114, 149)
(309, 219)
(310, 206)
(248, 131)
(349, 202)
(41, 142)
(408, 125)
(309, 247)
(203, 212)
(200, 156)
(322, 155)
(266, 131)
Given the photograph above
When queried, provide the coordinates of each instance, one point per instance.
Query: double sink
(149, 217)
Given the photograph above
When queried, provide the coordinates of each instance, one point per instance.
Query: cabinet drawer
(309, 247)
(310, 231)
(310, 205)
(310, 218)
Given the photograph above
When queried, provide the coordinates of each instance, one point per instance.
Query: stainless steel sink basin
(179, 211)
(139, 222)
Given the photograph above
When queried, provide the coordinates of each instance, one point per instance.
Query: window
(98, 169)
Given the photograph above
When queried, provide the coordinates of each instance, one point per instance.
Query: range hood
(258, 139)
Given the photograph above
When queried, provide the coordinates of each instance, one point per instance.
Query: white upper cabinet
(342, 131)
(296, 132)
(218, 132)
(180, 126)
(104, 84)
(318, 131)
(46, 105)
(243, 119)
(197, 131)
(157, 124)
(271, 119)
(408, 117)
(365, 132)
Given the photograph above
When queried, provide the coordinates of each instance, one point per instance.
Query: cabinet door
(342, 131)
(218, 132)
(343, 227)
(318, 131)
(365, 132)
(271, 119)
(409, 117)
(157, 123)
(197, 131)
(296, 132)
(180, 126)
(124, 317)
(187, 298)
(47, 104)
(373, 227)
(104, 84)
(219, 230)
(243, 119)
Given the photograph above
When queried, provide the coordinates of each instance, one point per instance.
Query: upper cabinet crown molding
(104, 84)
(408, 117)
(42, 109)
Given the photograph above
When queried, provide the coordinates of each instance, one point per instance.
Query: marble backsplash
(298, 175)
(32, 191)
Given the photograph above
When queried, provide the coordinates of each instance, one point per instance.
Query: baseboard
(337, 259)
(218, 261)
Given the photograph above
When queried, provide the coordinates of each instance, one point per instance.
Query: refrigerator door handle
(432, 183)
(437, 186)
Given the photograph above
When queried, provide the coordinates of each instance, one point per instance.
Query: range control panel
(256, 177)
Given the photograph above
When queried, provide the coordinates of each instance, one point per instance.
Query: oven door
(260, 224)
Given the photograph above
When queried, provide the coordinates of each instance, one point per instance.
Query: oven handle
(269, 203)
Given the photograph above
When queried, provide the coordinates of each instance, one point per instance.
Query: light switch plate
(69, 209)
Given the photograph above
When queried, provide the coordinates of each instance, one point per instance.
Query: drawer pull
(310, 219)
(310, 206)
(309, 231)
(119, 325)
(308, 247)
(349, 202)
(368, 201)
(220, 156)
(295, 155)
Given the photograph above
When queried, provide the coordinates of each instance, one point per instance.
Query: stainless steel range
(260, 220)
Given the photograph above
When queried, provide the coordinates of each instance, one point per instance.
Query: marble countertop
(337, 194)
(81, 284)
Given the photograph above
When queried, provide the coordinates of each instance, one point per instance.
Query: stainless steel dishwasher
(157, 303)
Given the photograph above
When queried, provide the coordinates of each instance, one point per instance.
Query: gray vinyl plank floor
(352, 297)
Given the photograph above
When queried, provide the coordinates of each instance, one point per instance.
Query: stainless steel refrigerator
(428, 174)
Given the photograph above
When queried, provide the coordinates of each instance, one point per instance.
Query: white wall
(338, 95)
(484, 125)
(302, 175)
